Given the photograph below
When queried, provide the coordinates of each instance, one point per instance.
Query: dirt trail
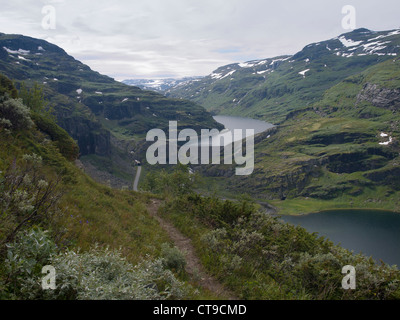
(193, 265)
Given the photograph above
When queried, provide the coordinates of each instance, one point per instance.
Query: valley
(334, 144)
(327, 133)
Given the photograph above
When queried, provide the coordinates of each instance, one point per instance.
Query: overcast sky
(128, 39)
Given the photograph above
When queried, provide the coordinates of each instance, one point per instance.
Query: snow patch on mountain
(348, 42)
(228, 74)
(246, 65)
(22, 58)
(19, 51)
(303, 73)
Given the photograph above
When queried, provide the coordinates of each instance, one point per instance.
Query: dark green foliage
(6, 86)
(219, 213)
(33, 98)
(171, 184)
(67, 146)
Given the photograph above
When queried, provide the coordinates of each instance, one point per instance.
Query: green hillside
(108, 119)
(340, 152)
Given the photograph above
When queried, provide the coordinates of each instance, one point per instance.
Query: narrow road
(193, 265)
(137, 177)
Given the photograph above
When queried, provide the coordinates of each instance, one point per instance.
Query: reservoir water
(371, 232)
(231, 123)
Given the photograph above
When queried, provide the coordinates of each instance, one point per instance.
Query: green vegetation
(171, 182)
(52, 213)
(336, 145)
(260, 257)
(97, 274)
(6, 86)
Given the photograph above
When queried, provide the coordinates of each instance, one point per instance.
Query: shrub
(99, 274)
(173, 258)
(6, 125)
(171, 184)
(6, 86)
(103, 274)
(26, 198)
(16, 113)
(67, 146)
(26, 256)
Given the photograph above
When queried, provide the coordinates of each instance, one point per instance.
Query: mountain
(341, 151)
(159, 85)
(107, 118)
(271, 88)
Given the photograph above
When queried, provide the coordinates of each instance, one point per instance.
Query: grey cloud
(154, 38)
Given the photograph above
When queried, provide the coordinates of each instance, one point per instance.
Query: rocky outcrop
(363, 160)
(91, 137)
(380, 97)
(340, 138)
(386, 176)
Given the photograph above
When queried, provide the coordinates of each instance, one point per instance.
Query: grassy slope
(92, 213)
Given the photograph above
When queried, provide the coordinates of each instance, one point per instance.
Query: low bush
(14, 114)
(98, 274)
(173, 258)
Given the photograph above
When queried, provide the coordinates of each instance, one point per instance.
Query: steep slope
(106, 117)
(343, 148)
(271, 88)
(50, 208)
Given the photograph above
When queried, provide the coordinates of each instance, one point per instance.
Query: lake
(231, 123)
(371, 232)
